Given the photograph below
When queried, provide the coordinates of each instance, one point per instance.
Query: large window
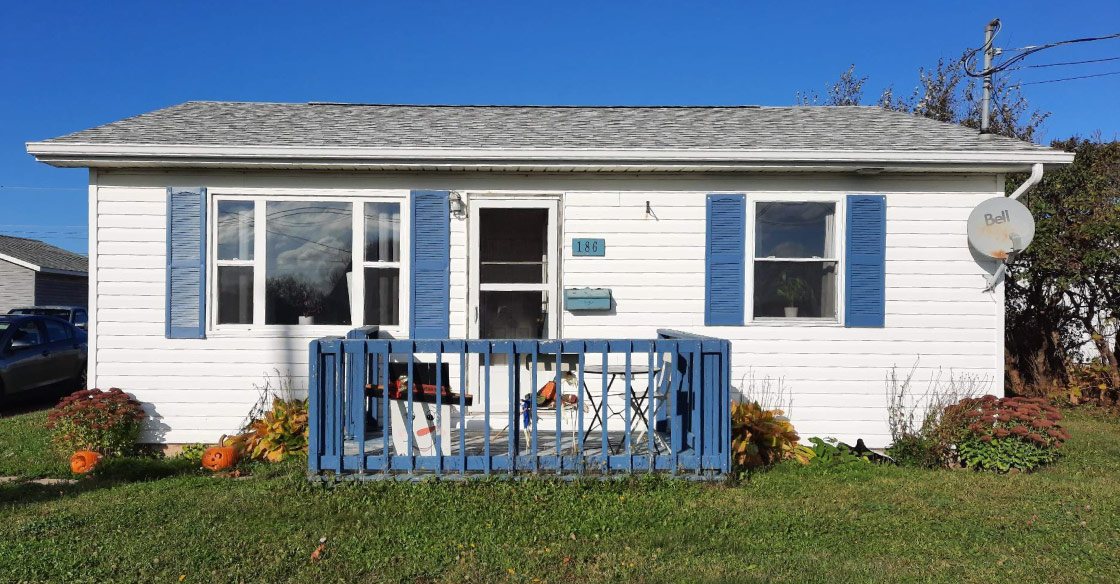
(795, 260)
(292, 261)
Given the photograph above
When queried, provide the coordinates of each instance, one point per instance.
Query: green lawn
(793, 524)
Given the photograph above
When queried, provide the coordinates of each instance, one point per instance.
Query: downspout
(1035, 177)
(1032, 180)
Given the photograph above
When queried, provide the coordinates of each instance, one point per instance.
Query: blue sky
(66, 66)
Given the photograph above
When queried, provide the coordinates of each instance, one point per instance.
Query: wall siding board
(17, 286)
(939, 322)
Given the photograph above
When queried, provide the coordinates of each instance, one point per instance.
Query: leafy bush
(762, 437)
(830, 451)
(192, 452)
(1091, 383)
(1008, 434)
(280, 433)
(104, 421)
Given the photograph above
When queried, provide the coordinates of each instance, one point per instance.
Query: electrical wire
(1072, 78)
(23, 188)
(1069, 63)
(1024, 52)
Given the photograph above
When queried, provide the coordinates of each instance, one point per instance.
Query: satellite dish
(1000, 227)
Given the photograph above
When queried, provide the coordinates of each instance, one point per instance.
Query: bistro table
(638, 399)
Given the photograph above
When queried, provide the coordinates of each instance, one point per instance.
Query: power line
(1072, 78)
(1024, 52)
(23, 188)
(1069, 63)
(1071, 41)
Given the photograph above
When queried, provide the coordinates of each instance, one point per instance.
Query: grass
(25, 448)
(857, 523)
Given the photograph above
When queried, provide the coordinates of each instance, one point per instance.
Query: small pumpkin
(83, 461)
(219, 457)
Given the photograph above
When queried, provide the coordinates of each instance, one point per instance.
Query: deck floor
(475, 443)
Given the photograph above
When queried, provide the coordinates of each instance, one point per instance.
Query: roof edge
(64, 152)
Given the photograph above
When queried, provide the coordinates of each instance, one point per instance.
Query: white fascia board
(40, 269)
(20, 262)
(69, 153)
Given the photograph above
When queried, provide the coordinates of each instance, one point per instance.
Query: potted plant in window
(311, 304)
(793, 290)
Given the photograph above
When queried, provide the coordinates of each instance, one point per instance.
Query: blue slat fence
(676, 418)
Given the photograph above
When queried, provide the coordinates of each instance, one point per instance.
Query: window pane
(528, 273)
(235, 230)
(794, 230)
(512, 244)
(383, 232)
(806, 289)
(235, 295)
(383, 296)
(56, 331)
(26, 336)
(511, 315)
(308, 262)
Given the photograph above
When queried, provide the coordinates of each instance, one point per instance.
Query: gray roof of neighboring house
(43, 255)
(851, 128)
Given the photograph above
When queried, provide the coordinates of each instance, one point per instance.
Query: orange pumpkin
(219, 457)
(83, 461)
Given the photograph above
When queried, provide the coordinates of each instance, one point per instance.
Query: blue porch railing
(382, 408)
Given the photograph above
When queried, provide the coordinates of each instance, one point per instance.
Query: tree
(847, 91)
(1065, 288)
(944, 93)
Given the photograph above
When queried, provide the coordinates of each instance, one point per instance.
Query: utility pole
(989, 54)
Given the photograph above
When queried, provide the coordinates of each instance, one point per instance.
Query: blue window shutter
(186, 263)
(724, 278)
(866, 250)
(430, 281)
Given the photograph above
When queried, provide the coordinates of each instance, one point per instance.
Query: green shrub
(192, 452)
(830, 451)
(1009, 434)
(104, 421)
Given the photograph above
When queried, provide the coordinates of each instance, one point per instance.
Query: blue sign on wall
(583, 246)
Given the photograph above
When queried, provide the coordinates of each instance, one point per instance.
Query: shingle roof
(854, 128)
(41, 254)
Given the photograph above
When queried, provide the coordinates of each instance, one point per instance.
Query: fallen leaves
(318, 553)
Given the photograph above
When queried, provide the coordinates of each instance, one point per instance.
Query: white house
(826, 243)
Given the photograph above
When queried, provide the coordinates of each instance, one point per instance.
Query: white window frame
(260, 198)
(839, 229)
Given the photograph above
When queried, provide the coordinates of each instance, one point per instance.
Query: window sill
(802, 322)
(292, 331)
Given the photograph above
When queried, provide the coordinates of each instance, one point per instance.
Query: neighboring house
(33, 273)
(826, 243)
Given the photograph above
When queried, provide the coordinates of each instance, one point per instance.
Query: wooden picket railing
(385, 408)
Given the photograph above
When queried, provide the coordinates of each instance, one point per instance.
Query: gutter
(84, 154)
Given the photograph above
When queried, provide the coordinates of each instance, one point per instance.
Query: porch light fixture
(456, 204)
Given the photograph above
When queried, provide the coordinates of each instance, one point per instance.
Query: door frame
(553, 288)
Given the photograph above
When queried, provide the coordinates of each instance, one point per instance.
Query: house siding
(17, 286)
(57, 289)
(938, 320)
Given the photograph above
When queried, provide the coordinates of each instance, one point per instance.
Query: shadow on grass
(111, 472)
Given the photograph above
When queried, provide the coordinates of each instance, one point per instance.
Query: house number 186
(588, 247)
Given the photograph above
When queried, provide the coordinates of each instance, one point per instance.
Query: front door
(514, 282)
